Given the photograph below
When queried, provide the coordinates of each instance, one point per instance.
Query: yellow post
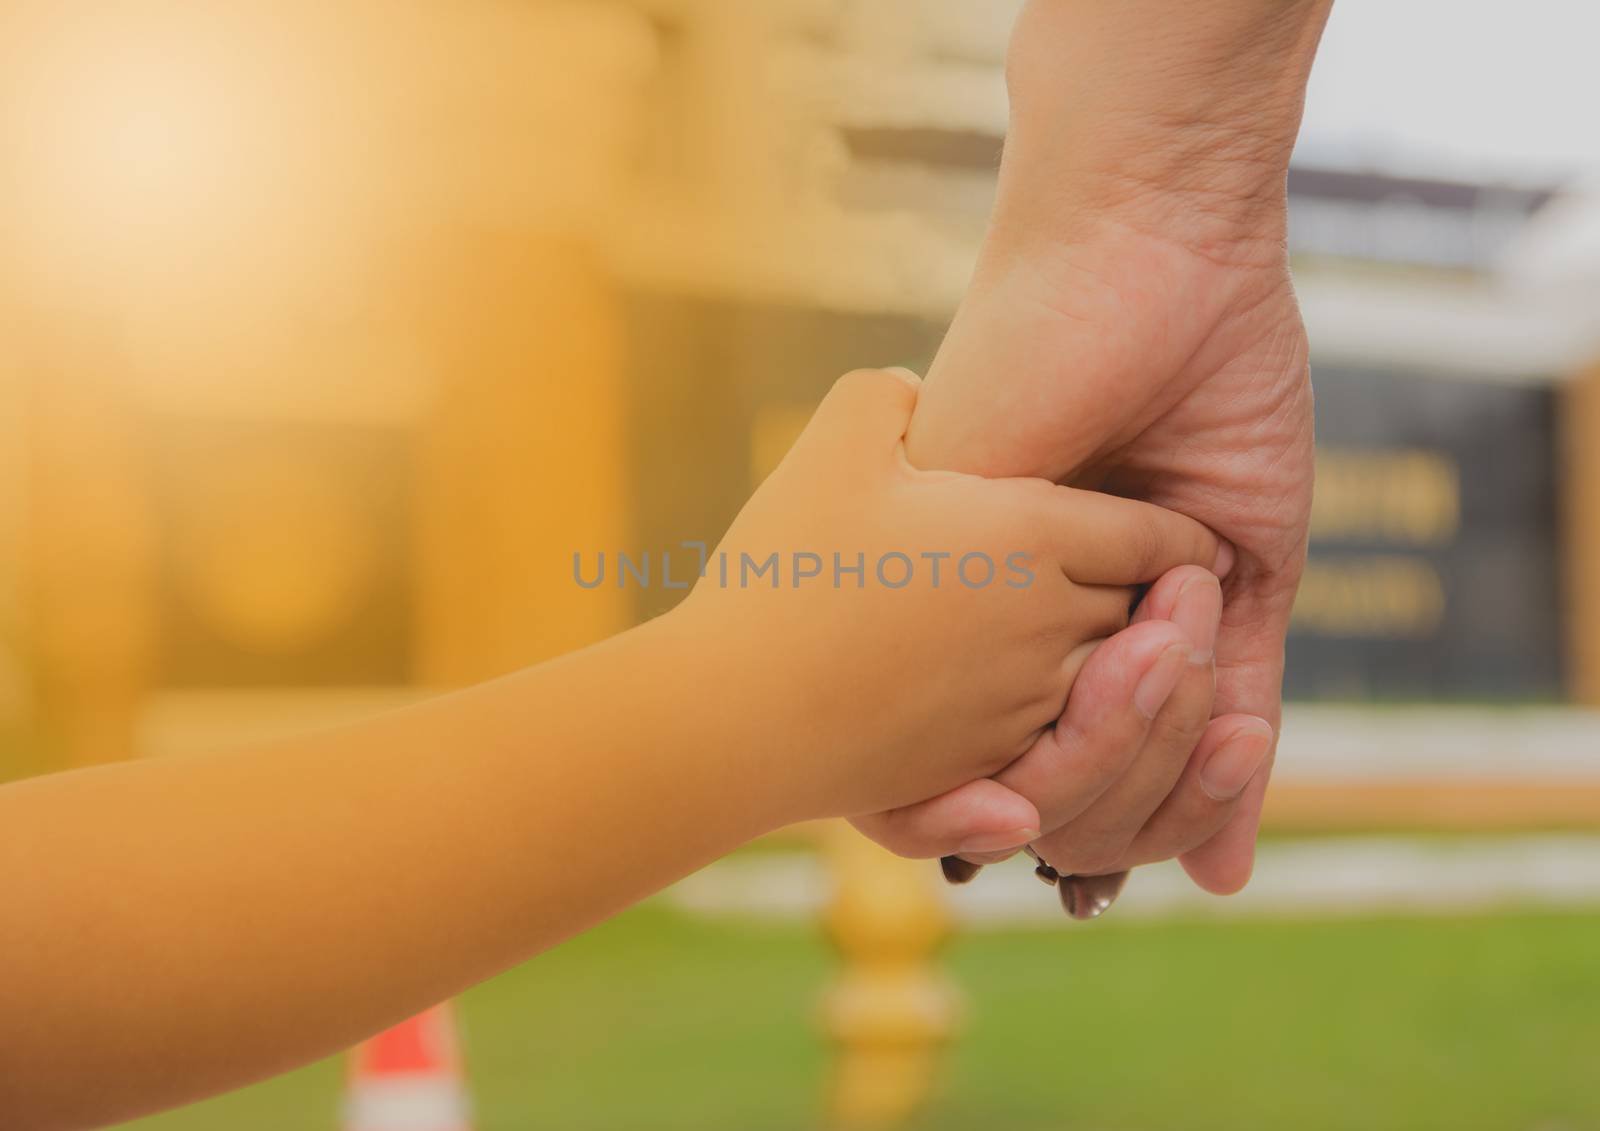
(1581, 417)
(891, 1011)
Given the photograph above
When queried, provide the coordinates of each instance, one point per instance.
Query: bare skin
(174, 928)
(1131, 324)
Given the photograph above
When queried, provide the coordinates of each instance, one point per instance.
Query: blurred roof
(884, 125)
(1397, 219)
(1486, 281)
(1561, 246)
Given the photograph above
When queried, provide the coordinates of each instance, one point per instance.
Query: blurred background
(329, 333)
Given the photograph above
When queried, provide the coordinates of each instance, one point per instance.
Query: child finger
(867, 411)
(1100, 611)
(1109, 540)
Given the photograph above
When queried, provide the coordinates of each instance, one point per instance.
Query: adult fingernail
(1198, 612)
(957, 870)
(1232, 765)
(1158, 683)
(1087, 897)
(1008, 841)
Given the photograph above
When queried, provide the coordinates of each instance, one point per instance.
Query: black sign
(1434, 557)
(1434, 569)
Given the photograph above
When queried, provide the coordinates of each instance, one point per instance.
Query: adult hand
(1131, 323)
(1115, 780)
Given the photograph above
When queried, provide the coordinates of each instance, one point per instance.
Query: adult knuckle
(1094, 758)
(1176, 731)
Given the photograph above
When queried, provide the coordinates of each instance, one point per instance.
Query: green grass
(659, 1022)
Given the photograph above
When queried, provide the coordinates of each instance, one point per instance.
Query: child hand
(903, 632)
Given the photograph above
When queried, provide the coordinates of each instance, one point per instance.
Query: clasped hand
(904, 693)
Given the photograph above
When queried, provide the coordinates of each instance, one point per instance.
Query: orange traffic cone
(409, 1078)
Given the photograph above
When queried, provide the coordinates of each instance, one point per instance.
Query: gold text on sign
(1407, 496)
(1370, 595)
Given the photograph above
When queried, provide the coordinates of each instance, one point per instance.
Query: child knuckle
(1146, 547)
(855, 378)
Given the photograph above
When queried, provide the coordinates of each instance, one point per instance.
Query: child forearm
(174, 928)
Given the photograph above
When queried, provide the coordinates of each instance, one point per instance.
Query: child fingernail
(1226, 556)
(1008, 841)
(1232, 766)
(1199, 614)
(1160, 681)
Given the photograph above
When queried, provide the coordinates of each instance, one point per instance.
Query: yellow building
(320, 418)
(329, 334)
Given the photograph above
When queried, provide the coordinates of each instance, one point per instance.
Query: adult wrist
(1152, 108)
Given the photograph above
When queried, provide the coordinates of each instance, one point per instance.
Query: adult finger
(1187, 597)
(1119, 693)
(1093, 842)
(1227, 759)
(1184, 596)
(1249, 681)
(976, 824)
(1109, 540)
(980, 818)
(978, 821)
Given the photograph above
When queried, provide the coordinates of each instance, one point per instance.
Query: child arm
(174, 928)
